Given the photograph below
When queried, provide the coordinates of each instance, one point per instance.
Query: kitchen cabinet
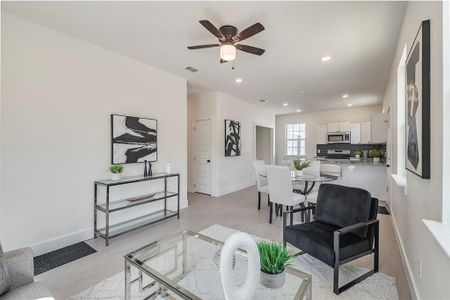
(338, 127)
(365, 132)
(321, 134)
(333, 127)
(344, 126)
(355, 133)
(372, 178)
(378, 128)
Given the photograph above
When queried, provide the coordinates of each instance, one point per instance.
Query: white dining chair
(313, 169)
(326, 169)
(280, 188)
(261, 182)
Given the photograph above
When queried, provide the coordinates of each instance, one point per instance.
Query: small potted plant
(274, 258)
(375, 154)
(358, 153)
(299, 165)
(116, 172)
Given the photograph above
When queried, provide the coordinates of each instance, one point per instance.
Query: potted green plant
(116, 172)
(358, 153)
(274, 258)
(375, 154)
(299, 165)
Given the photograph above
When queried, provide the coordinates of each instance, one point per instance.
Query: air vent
(191, 69)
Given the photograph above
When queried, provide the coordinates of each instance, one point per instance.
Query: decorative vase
(376, 160)
(116, 176)
(246, 290)
(273, 281)
(298, 173)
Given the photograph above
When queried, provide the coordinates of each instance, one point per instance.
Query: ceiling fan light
(228, 52)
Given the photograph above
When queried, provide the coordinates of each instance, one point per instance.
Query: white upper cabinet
(378, 130)
(365, 132)
(344, 126)
(321, 134)
(333, 127)
(355, 132)
(338, 126)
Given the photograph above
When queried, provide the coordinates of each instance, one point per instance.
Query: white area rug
(378, 286)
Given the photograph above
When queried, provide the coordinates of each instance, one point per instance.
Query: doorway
(202, 156)
(264, 144)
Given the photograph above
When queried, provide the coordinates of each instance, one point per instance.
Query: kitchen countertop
(362, 161)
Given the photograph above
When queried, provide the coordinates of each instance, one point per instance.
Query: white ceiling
(361, 37)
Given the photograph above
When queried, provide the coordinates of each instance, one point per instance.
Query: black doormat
(383, 210)
(54, 259)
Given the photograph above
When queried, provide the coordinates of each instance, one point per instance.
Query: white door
(202, 156)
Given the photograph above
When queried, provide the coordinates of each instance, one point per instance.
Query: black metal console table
(111, 231)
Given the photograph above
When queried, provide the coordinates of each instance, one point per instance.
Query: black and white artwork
(133, 139)
(232, 138)
(418, 104)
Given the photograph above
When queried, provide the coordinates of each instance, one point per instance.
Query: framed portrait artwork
(417, 119)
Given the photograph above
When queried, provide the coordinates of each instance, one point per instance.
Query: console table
(111, 231)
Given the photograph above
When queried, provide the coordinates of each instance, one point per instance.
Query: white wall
(57, 97)
(424, 197)
(234, 173)
(229, 173)
(356, 114)
(200, 106)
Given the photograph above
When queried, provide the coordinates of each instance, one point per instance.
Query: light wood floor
(236, 210)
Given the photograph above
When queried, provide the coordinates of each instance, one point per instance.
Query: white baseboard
(406, 265)
(73, 238)
(62, 241)
(234, 188)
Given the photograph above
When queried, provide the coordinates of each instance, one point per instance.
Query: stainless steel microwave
(338, 137)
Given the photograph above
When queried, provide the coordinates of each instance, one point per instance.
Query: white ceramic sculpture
(245, 291)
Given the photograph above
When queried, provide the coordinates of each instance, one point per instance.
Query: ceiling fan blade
(211, 28)
(223, 61)
(250, 49)
(250, 31)
(203, 46)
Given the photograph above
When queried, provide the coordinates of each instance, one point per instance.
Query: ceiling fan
(229, 38)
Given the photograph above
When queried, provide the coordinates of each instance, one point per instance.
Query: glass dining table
(308, 180)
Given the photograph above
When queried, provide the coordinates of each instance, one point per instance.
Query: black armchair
(345, 228)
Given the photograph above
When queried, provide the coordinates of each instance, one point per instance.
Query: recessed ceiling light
(238, 80)
(325, 58)
(299, 110)
(349, 105)
(345, 96)
(285, 104)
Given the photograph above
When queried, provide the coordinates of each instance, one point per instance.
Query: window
(295, 139)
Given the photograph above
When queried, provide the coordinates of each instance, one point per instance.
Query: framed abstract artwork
(232, 138)
(133, 139)
(418, 104)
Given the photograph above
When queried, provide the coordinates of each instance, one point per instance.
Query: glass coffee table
(185, 265)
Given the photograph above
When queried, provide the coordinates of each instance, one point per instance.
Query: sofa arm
(20, 267)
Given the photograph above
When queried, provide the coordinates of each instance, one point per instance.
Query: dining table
(308, 180)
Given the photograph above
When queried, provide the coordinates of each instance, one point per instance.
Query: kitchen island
(363, 173)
